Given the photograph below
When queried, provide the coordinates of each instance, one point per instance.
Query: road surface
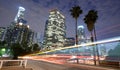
(41, 65)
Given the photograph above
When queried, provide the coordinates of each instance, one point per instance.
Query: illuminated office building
(19, 31)
(81, 35)
(20, 15)
(54, 35)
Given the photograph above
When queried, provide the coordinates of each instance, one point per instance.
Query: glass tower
(81, 34)
(20, 15)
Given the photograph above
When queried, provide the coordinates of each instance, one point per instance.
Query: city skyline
(37, 12)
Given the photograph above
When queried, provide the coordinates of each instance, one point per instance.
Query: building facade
(55, 34)
(2, 33)
(69, 41)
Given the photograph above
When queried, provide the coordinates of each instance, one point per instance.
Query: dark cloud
(36, 1)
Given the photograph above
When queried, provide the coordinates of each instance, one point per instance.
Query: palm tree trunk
(76, 39)
(97, 50)
(93, 48)
(92, 40)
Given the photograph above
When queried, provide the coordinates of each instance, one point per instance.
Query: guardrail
(21, 62)
(111, 63)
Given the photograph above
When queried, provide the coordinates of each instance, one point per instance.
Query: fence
(16, 62)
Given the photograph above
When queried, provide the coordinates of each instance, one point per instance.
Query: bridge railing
(19, 63)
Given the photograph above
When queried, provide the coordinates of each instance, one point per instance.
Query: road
(41, 65)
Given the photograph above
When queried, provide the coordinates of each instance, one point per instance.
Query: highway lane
(42, 65)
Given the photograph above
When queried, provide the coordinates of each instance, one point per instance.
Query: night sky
(37, 12)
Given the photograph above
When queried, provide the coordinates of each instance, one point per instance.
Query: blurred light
(28, 26)
(86, 44)
(26, 57)
(5, 55)
(54, 55)
(73, 57)
(3, 50)
(20, 24)
(81, 27)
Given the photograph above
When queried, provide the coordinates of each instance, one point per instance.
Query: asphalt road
(41, 65)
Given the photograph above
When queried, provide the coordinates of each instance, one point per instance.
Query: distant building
(37, 38)
(69, 42)
(103, 50)
(18, 31)
(55, 34)
(81, 35)
(2, 33)
(20, 15)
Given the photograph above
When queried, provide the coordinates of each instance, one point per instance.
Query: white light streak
(87, 44)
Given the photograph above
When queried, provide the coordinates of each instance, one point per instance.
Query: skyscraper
(18, 31)
(20, 15)
(55, 34)
(81, 34)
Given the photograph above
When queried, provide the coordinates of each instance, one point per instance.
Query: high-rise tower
(54, 36)
(81, 34)
(20, 15)
(18, 31)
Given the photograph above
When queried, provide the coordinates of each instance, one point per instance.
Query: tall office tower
(2, 33)
(18, 31)
(29, 37)
(20, 15)
(81, 35)
(55, 34)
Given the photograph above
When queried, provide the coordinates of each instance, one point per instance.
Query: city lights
(60, 34)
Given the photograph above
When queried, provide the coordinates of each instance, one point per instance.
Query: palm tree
(75, 12)
(90, 20)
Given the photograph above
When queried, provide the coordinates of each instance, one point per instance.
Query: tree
(75, 12)
(90, 20)
(17, 50)
(36, 47)
(2, 43)
(3, 47)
